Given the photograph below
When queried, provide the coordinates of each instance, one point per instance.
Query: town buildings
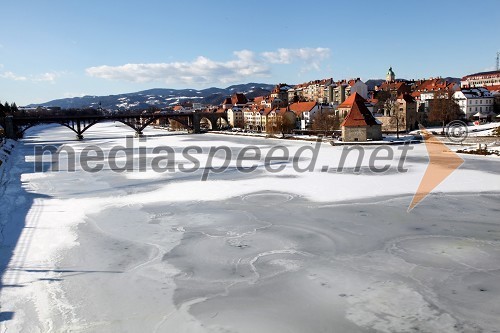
(235, 117)
(482, 79)
(392, 105)
(400, 115)
(426, 90)
(360, 124)
(327, 91)
(475, 102)
(304, 112)
(280, 94)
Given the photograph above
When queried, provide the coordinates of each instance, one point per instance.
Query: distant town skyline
(57, 49)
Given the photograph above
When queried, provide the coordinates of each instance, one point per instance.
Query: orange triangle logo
(442, 162)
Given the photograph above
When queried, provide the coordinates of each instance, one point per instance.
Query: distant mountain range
(160, 97)
(163, 97)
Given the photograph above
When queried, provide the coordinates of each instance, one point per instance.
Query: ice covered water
(287, 252)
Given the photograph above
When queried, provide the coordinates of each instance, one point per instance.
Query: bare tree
(382, 96)
(443, 108)
(326, 120)
(397, 117)
(284, 124)
(271, 127)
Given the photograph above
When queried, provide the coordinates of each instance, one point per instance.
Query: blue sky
(63, 48)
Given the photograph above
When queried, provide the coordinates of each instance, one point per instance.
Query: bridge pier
(16, 125)
(196, 123)
(79, 133)
(10, 131)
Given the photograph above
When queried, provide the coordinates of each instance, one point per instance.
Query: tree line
(7, 108)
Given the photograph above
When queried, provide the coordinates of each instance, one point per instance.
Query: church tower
(390, 77)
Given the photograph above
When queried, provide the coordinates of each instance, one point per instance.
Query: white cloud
(45, 77)
(203, 70)
(287, 56)
(12, 76)
(200, 70)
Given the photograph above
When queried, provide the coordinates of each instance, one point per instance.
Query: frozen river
(288, 251)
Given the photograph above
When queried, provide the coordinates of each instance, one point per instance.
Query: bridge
(16, 125)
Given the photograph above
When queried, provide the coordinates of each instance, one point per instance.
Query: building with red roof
(346, 105)
(304, 111)
(360, 124)
(426, 90)
(482, 79)
(395, 88)
(280, 93)
(237, 99)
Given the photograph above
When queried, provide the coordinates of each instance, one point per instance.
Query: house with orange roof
(237, 99)
(304, 111)
(267, 102)
(426, 90)
(280, 94)
(344, 108)
(226, 104)
(360, 124)
(495, 91)
(396, 88)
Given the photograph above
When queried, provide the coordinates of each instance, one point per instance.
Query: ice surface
(260, 252)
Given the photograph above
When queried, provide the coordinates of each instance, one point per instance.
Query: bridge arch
(222, 123)
(18, 125)
(77, 127)
(211, 121)
(185, 123)
(206, 124)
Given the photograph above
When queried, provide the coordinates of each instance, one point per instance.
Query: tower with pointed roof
(360, 124)
(390, 77)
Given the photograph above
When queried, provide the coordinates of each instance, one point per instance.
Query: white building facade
(235, 117)
(482, 79)
(474, 100)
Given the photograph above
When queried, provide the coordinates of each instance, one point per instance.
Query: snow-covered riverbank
(263, 251)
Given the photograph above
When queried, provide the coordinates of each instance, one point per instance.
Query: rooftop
(359, 115)
(348, 103)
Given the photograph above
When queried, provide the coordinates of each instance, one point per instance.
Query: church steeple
(390, 77)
